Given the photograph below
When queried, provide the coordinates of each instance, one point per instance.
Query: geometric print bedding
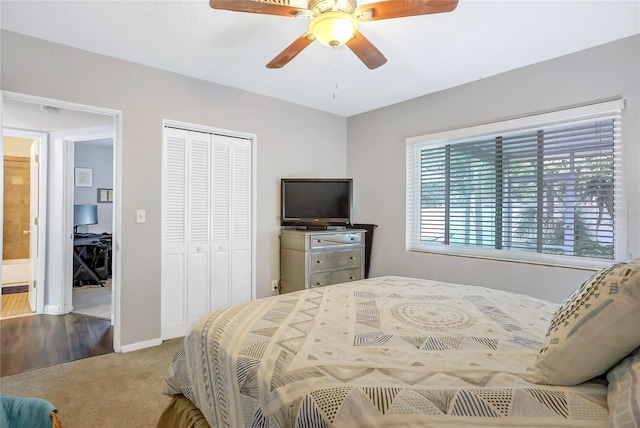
(624, 393)
(596, 326)
(386, 351)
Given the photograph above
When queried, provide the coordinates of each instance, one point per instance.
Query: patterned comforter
(386, 351)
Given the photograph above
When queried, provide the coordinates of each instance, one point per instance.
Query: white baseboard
(52, 310)
(141, 345)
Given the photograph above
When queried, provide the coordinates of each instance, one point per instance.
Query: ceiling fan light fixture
(333, 28)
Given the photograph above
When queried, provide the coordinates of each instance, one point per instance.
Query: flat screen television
(84, 215)
(316, 203)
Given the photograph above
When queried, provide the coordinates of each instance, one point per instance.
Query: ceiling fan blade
(364, 49)
(253, 6)
(399, 8)
(290, 52)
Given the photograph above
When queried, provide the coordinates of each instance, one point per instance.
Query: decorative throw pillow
(623, 397)
(597, 326)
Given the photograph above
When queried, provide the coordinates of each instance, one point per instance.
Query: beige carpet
(113, 390)
(93, 300)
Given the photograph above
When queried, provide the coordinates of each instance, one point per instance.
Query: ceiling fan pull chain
(335, 72)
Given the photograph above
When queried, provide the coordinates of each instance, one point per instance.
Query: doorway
(23, 235)
(93, 227)
(20, 238)
(64, 124)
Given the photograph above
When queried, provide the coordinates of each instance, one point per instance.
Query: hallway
(36, 341)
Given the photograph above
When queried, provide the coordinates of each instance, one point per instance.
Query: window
(545, 191)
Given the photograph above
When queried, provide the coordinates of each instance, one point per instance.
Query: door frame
(68, 140)
(34, 225)
(42, 139)
(68, 210)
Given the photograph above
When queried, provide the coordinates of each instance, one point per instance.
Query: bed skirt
(182, 413)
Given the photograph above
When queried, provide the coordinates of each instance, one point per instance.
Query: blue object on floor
(19, 412)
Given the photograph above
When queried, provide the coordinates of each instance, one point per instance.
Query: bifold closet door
(186, 230)
(207, 226)
(241, 266)
(231, 207)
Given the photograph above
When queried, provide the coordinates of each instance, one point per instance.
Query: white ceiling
(425, 53)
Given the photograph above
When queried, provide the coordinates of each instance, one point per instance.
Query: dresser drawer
(333, 239)
(327, 278)
(337, 259)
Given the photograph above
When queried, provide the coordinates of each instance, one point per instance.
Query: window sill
(576, 263)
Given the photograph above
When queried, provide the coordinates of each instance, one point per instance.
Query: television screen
(317, 202)
(85, 214)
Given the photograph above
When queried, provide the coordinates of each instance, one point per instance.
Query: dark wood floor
(45, 340)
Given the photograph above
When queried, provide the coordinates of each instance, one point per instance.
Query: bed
(391, 351)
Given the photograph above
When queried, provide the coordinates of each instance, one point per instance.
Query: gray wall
(99, 157)
(286, 134)
(376, 158)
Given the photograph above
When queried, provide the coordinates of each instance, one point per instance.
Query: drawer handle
(319, 241)
(352, 258)
(317, 283)
(352, 278)
(319, 261)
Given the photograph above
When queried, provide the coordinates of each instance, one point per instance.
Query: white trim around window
(433, 207)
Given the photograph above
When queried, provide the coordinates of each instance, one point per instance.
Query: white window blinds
(549, 189)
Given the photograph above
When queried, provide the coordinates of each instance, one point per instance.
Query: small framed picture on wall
(84, 177)
(105, 195)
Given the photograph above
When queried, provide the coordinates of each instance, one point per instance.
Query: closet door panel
(241, 279)
(174, 320)
(199, 213)
(198, 286)
(174, 304)
(220, 280)
(221, 147)
(221, 189)
(241, 221)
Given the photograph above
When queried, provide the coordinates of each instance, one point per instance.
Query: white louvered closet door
(221, 222)
(199, 238)
(207, 234)
(241, 222)
(231, 222)
(174, 234)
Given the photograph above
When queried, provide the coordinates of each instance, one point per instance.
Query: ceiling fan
(335, 22)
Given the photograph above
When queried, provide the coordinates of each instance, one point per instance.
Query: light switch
(141, 216)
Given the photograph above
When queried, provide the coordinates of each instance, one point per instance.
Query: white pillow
(623, 396)
(597, 326)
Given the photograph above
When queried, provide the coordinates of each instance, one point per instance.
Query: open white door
(33, 208)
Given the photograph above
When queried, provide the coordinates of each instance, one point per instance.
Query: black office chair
(100, 261)
(106, 242)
